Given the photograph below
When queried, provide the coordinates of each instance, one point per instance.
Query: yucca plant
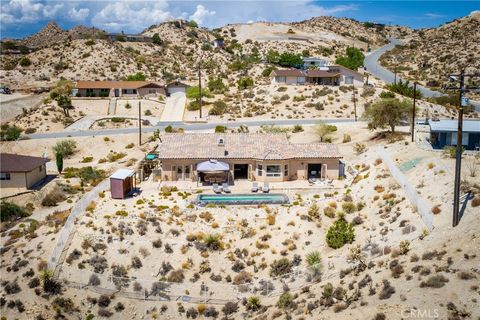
(314, 260)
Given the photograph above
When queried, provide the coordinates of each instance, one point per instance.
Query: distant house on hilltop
(123, 37)
(19, 171)
(119, 88)
(218, 43)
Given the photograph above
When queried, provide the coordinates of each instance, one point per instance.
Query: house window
(129, 91)
(348, 80)
(259, 170)
(274, 171)
(89, 90)
(4, 176)
(40, 169)
(285, 171)
(281, 79)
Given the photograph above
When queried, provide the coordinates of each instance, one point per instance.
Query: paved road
(188, 127)
(373, 66)
(174, 107)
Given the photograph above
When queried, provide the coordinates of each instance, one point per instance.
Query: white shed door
(172, 90)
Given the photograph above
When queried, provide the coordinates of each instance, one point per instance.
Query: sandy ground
(13, 104)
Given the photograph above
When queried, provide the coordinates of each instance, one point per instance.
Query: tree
(61, 94)
(323, 130)
(340, 233)
(404, 89)
(59, 161)
(156, 39)
(216, 85)
(193, 24)
(137, 77)
(10, 133)
(352, 60)
(65, 148)
(385, 113)
(194, 93)
(273, 56)
(244, 82)
(288, 59)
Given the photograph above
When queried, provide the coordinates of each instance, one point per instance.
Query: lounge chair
(266, 188)
(255, 187)
(225, 187)
(216, 188)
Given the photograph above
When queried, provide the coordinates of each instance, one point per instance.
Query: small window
(348, 80)
(89, 90)
(4, 176)
(285, 171)
(40, 169)
(274, 171)
(259, 170)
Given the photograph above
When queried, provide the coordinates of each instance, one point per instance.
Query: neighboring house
(118, 88)
(128, 37)
(331, 75)
(218, 43)
(289, 76)
(176, 86)
(444, 133)
(252, 156)
(18, 171)
(317, 63)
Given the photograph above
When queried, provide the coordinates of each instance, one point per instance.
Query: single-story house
(318, 63)
(176, 86)
(331, 75)
(218, 43)
(128, 37)
(19, 171)
(252, 156)
(444, 133)
(118, 88)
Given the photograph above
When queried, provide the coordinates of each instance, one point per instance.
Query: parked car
(5, 90)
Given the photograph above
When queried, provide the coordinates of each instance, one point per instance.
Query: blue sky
(19, 18)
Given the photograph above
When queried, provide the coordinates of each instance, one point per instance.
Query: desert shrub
(368, 92)
(464, 275)
(104, 300)
(220, 129)
(329, 212)
(213, 242)
(436, 281)
(176, 276)
(314, 260)
(387, 95)
(476, 201)
(10, 133)
(210, 312)
(219, 108)
(357, 220)
(436, 209)
(136, 262)
(360, 148)
(280, 267)
(229, 308)
(314, 211)
(11, 287)
(34, 282)
(52, 198)
(349, 207)
(25, 62)
(340, 233)
(102, 312)
(11, 211)
(157, 243)
(387, 290)
(253, 303)
(242, 278)
(346, 138)
(285, 301)
(93, 280)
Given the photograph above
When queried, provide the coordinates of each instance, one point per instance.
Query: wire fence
(420, 204)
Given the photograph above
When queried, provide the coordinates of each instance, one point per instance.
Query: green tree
(216, 85)
(10, 133)
(340, 233)
(59, 162)
(25, 62)
(61, 94)
(352, 60)
(323, 130)
(193, 24)
(404, 89)
(156, 39)
(273, 56)
(194, 93)
(245, 82)
(385, 113)
(137, 77)
(65, 147)
(288, 59)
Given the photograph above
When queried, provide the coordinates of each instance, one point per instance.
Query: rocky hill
(431, 54)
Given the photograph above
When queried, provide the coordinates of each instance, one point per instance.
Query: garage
(176, 86)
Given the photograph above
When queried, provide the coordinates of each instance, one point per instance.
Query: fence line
(410, 191)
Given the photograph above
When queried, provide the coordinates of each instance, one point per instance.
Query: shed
(122, 183)
(176, 86)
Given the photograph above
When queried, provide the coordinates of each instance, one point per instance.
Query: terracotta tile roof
(19, 163)
(287, 73)
(116, 84)
(240, 146)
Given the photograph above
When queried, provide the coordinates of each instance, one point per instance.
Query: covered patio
(213, 171)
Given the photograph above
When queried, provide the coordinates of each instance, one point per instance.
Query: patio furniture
(225, 187)
(255, 187)
(216, 188)
(266, 188)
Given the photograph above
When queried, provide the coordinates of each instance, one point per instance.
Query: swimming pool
(242, 199)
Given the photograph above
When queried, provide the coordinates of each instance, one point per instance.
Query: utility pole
(458, 154)
(200, 90)
(414, 109)
(139, 123)
(395, 74)
(354, 103)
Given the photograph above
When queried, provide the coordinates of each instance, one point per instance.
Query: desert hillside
(431, 54)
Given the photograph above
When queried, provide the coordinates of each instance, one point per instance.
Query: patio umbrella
(212, 166)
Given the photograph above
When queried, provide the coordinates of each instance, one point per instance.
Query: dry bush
(476, 201)
(387, 290)
(436, 281)
(436, 209)
(329, 212)
(242, 278)
(176, 276)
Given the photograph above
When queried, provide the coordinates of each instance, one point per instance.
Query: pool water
(242, 199)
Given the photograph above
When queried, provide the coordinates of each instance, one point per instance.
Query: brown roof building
(118, 88)
(326, 75)
(253, 156)
(19, 171)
